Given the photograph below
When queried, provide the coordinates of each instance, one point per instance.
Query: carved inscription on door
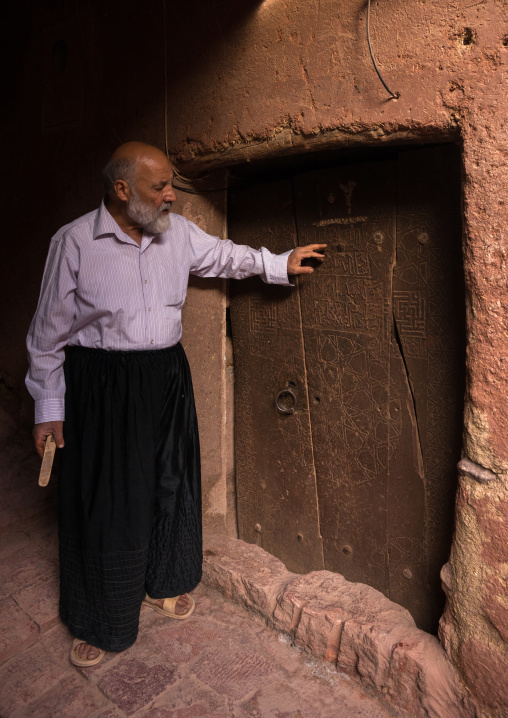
(367, 358)
(276, 480)
(347, 328)
(428, 291)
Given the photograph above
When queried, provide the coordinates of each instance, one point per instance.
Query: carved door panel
(347, 328)
(429, 319)
(373, 345)
(276, 481)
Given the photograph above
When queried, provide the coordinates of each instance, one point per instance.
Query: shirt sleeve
(49, 332)
(214, 257)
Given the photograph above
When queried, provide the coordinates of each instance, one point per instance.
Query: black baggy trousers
(129, 489)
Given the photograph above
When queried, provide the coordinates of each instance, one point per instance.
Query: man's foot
(182, 605)
(86, 651)
(176, 607)
(84, 654)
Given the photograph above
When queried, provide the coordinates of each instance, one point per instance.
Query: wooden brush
(47, 460)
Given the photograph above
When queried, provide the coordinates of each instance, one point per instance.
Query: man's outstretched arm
(214, 257)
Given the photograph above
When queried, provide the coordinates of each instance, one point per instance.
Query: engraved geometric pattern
(273, 451)
(262, 316)
(410, 311)
(372, 346)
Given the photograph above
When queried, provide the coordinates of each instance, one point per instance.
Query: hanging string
(394, 95)
(165, 80)
(199, 191)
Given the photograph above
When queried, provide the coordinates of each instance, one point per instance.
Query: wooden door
(360, 478)
(347, 330)
(276, 486)
(429, 311)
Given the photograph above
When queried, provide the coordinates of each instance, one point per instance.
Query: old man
(105, 356)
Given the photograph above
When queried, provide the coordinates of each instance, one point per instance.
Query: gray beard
(152, 220)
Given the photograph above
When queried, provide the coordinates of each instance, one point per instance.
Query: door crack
(411, 391)
(306, 385)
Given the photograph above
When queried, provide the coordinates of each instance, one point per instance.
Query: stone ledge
(351, 625)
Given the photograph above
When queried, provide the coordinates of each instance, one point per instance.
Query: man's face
(152, 196)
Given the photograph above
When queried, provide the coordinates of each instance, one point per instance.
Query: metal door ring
(284, 392)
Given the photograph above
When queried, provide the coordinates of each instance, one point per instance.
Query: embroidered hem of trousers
(129, 489)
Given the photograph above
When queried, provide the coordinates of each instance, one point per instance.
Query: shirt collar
(105, 225)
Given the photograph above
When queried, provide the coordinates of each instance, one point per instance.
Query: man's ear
(122, 190)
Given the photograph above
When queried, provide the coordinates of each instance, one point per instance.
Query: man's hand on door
(301, 257)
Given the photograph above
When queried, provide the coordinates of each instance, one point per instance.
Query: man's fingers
(303, 270)
(39, 445)
(306, 252)
(310, 248)
(304, 255)
(58, 436)
(41, 431)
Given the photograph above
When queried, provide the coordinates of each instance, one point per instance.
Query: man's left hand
(300, 253)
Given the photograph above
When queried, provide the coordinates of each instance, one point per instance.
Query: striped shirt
(101, 289)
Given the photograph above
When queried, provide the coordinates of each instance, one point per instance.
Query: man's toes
(92, 653)
(182, 605)
(86, 651)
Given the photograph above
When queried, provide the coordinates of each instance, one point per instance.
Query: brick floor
(223, 662)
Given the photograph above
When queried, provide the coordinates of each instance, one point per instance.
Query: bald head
(138, 181)
(138, 152)
(128, 159)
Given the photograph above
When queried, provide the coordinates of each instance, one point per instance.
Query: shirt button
(151, 341)
(146, 281)
(149, 309)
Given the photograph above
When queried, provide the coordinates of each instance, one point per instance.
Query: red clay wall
(296, 76)
(254, 79)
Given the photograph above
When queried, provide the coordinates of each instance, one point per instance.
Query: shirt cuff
(49, 410)
(277, 272)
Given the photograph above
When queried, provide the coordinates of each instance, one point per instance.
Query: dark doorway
(349, 387)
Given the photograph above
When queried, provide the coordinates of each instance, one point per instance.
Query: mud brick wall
(222, 83)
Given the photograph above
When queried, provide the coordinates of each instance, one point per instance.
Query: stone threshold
(350, 625)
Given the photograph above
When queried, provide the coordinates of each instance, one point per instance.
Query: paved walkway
(223, 662)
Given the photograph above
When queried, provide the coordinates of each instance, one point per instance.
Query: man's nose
(169, 195)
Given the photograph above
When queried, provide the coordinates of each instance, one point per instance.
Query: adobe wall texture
(256, 79)
(295, 76)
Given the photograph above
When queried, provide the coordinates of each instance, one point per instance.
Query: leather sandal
(169, 605)
(84, 662)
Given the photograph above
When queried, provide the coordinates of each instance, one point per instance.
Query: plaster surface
(204, 340)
